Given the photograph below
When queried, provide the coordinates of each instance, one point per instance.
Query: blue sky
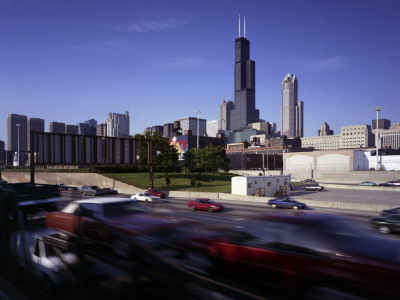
(73, 60)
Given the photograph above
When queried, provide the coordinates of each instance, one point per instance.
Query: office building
(325, 130)
(190, 123)
(292, 110)
(390, 138)
(71, 129)
(322, 142)
(2, 153)
(355, 136)
(212, 128)
(118, 125)
(157, 128)
(168, 130)
(225, 115)
(244, 109)
(57, 127)
(17, 127)
(34, 124)
(101, 129)
(382, 124)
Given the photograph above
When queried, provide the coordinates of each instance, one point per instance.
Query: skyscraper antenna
(239, 25)
(244, 27)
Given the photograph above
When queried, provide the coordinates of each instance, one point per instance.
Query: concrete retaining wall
(72, 179)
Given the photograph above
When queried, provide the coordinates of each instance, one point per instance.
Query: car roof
(103, 200)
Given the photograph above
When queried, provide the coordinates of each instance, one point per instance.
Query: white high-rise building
(118, 125)
(212, 128)
(292, 110)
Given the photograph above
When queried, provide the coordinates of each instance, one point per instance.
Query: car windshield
(208, 201)
(123, 208)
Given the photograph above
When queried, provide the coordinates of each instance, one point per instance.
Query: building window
(249, 185)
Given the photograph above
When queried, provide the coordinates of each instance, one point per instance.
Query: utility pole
(18, 125)
(197, 112)
(377, 109)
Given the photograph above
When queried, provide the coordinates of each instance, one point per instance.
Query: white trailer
(265, 186)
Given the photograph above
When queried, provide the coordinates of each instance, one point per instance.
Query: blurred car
(205, 204)
(392, 211)
(110, 191)
(146, 197)
(98, 218)
(158, 193)
(92, 190)
(286, 202)
(62, 186)
(387, 183)
(316, 188)
(388, 223)
(309, 181)
(318, 255)
(367, 183)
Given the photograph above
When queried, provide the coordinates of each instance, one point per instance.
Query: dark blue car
(286, 203)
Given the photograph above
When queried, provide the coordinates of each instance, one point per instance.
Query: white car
(316, 188)
(146, 197)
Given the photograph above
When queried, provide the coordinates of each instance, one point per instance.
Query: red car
(317, 255)
(158, 193)
(205, 204)
(127, 216)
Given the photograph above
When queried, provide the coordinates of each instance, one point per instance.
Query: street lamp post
(18, 125)
(197, 112)
(377, 109)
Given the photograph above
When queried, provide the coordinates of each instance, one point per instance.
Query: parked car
(367, 183)
(392, 211)
(316, 188)
(158, 193)
(92, 190)
(146, 197)
(286, 202)
(205, 204)
(318, 255)
(110, 191)
(388, 223)
(97, 220)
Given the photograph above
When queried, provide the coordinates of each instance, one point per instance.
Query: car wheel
(384, 229)
(192, 207)
(93, 194)
(147, 200)
(210, 209)
(273, 205)
(295, 207)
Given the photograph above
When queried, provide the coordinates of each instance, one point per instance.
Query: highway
(234, 212)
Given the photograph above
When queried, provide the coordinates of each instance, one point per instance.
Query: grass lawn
(219, 182)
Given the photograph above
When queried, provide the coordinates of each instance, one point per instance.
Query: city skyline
(74, 61)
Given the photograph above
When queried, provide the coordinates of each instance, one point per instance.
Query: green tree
(207, 159)
(165, 157)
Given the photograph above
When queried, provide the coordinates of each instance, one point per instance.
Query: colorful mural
(180, 143)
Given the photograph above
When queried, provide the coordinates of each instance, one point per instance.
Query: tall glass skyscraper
(292, 121)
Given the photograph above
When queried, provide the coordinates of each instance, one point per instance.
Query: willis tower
(243, 112)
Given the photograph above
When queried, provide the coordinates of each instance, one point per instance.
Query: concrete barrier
(79, 179)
